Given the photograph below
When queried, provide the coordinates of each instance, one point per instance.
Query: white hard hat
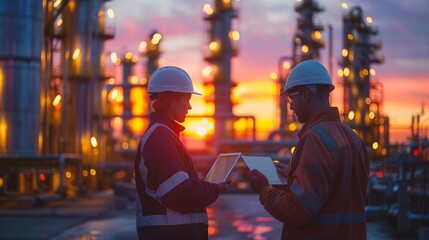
(307, 73)
(170, 79)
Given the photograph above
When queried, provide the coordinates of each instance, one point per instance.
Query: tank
(83, 75)
(20, 73)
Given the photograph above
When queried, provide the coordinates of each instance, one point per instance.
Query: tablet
(265, 165)
(222, 167)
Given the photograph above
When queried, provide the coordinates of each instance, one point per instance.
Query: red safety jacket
(172, 200)
(327, 179)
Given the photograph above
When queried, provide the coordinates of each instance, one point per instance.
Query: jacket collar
(156, 117)
(327, 114)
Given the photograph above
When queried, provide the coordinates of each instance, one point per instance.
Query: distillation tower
(221, 50)
(306, 45)
(52, 75)
(51, 83)
(74, 73)
(128, 104)
(363, 97)
(20, 76)
(152, 50)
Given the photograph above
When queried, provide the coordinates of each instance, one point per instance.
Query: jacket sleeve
(191, 195)
(313, 179)
(177, 190)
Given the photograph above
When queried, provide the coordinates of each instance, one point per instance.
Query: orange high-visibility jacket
(327, 180)
(169, 191)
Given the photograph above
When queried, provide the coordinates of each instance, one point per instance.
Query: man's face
(296, 100)
(180, 106)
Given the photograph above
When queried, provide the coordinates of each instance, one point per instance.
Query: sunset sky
(266, 28)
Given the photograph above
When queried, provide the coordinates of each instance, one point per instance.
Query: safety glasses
(292, 96)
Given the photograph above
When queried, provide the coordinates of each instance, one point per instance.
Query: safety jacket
(327, 179)
(169, 192)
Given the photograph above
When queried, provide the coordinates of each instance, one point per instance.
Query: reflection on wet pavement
(232, 216)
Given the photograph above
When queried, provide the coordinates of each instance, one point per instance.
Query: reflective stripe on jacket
(169, 191)
(327, 179)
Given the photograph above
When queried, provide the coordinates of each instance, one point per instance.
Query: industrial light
(59, 22)
(286, 65)
(142, 46)
(346, 71)
(114, 57)
(351, 115)
(345, 52)
(129, 55)
(57, 100)
(111, 80)
(110, 13)
(304, 49)
(114, 94)
(42, 177)
(369, 19)
(368, 100)
(208, 9)
(156, 38)
(143, 80)
(94, 142)
(379, 173)
(207, 70)
(214, 46)
(234, 35)
(57, 3)
(76, 54)
(317, 35)
(133, 79)
(344, 5)
(293, 127)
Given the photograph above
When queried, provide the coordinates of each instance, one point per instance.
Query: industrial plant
(72, 112)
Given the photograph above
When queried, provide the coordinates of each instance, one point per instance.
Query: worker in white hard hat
(171, 200)
(327, 177)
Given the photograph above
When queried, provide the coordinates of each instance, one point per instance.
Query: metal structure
(221, 50)
(308, 38)
(362, 97)
(152, 50)
(128, 104)
(20, 78)
(306, 45)
(51, 84)
(126, 111)
(73, 74)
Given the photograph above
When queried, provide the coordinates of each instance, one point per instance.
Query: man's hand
(281, 168)
(222, 185)
(257, 180)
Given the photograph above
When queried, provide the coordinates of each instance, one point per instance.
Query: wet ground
(102, 216)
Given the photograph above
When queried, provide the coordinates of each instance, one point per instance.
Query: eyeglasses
(291, 96)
